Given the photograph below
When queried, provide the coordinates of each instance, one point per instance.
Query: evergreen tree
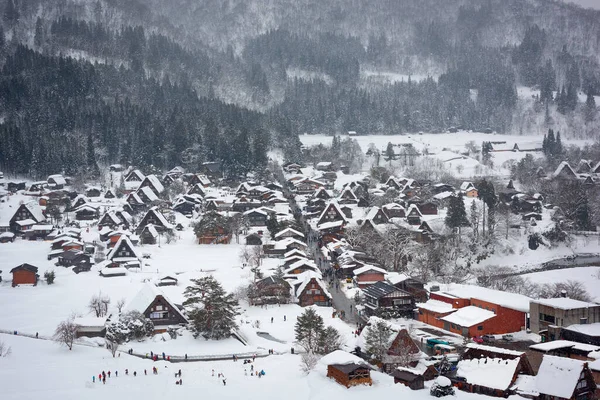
(456, 217)
(475, 219)
(11, 12)
(273, 225)
(38, 38)
(583, 219)
(590, 107)
(377, 339)
(389, 152)
(309, 330)
(330, 340)
(212, 311)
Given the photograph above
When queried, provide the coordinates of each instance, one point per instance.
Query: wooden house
(110, 194)
(135, 201)
(413, 215)
(468, 189)
(24, 274)
(368, 275)
(146, 195)
(86, 213)
(27, 215)
(561, 378)
(156, 218)
(322, 193)
(394, 183)
(401, 352)
(254, 239)
(289, 232)
(331, 213)
(149, 234)
(350, 374)
(564, 172)
(123, 252)
(197, 189)
(79, 201)
(325, 166)
(167, 281)
(156, 306)
(493, 377)
(200, 179)
(313, 291)
(57, 181)
(215, 230)
(394, 210)
(377, 216)
(256, 217)
(348, 197)
(109, 220)
(412, 380)
(428, 208)
(14, 186)
(71, 258)
(270, 290)
(381, 296)
(307, 186)
(93, 192)
(90, 326)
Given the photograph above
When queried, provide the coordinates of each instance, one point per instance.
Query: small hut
(347, 369)
(412, 380)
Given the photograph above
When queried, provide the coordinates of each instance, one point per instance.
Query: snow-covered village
(319, 278)
(299, 199)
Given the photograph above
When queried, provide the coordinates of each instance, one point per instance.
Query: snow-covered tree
(309, 330)
(212, 311)
(377, 339)
(456, 217)
(308, 361)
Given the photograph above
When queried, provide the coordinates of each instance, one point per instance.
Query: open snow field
(588, 276)
(42, 369)
(447, 148)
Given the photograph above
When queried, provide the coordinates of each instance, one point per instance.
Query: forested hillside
(88, 82)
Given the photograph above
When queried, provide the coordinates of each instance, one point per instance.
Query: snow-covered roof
(90, 322)
(152, 230)
(468, 316)
(585, 329)
(443, 195)
(42, 227)
(149, 193)
(413, 209)
(558, 376)
(509, 300)
(123, 240)
(494, 373)
(25, 222)
(7, 235)
(564, 165)
(58, 179)
(366, 268)
(340, 357)
(107, 271)
(436, 306)
(160, 217)
(154, 181)
(142, 300)
(308, 276)
(294, 252)
(291, 230)
(493, 349)
(35, 210)
(526, 385)
(564, 303)
(563, 344)
(324, 164)
(332, 224)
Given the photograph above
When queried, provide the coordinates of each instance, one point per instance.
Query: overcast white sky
(586, 3)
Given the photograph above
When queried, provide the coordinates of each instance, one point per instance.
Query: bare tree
(308, 362)
(258, 254)
(246, 255)
(5, 350)
(236, 223)
(99, 304)
(120, 305)
(65, 333)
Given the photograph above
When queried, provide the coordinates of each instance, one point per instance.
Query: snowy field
(57, 373)
(589, 276)
(448, 149)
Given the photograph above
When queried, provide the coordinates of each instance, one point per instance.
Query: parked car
(508, 337)
(478, 339)
(488, 338)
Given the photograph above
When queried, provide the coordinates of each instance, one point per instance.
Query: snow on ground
(588, 276)
(448, 148)
(392, 77)
(42, 368)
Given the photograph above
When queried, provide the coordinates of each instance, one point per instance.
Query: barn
(24, 274)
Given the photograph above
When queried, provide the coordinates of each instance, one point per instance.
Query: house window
(159, 315)
(453, 326)
(480, 328)
(581, 385)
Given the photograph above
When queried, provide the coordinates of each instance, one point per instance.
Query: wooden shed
(24, 274)
(413, 381)
(350, 374)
